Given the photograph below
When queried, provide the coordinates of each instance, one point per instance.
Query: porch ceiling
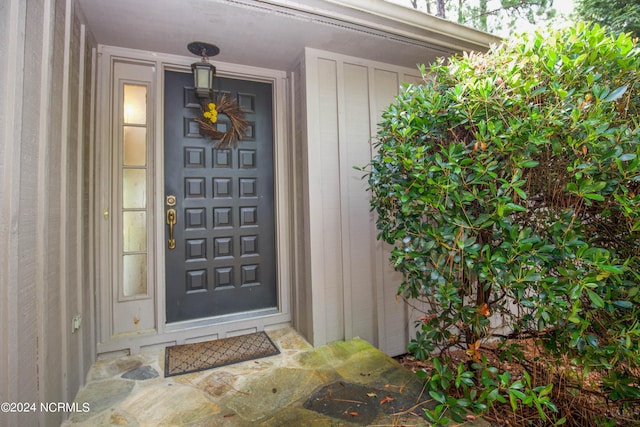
(272, 33)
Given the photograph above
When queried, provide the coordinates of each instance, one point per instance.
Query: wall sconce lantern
(203, 71)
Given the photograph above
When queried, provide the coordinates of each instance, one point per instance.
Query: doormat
(187, 358)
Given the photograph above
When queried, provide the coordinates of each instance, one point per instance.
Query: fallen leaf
(484, 310)
(372, 395)
(228, 415)
(386, 399)
(353, 414)
(473, 351)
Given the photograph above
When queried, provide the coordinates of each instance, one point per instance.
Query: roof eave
(397, 19)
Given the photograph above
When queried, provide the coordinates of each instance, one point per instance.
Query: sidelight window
(134, 176)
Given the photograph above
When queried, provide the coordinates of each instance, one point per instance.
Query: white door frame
(193, 330)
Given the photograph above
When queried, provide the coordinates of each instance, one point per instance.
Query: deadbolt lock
(171, 200)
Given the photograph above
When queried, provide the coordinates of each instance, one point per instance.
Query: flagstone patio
(347, 383)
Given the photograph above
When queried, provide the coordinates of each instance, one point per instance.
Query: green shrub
(508, 184)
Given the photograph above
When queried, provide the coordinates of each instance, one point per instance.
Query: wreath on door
(230, 108)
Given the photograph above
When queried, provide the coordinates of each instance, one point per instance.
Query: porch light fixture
(203, 71)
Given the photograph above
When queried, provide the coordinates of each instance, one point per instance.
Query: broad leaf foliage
(509, 186)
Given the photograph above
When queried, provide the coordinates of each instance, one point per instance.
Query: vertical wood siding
(43, 229)
(353, 287)
(326, 259)
(357, 240)
(302, 314)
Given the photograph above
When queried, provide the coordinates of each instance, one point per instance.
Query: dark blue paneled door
(223, 261)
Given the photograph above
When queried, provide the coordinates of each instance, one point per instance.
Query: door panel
(224, 256)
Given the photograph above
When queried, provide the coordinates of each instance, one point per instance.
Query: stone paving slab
(332, 385)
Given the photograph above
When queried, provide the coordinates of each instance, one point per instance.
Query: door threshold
(205, 329)
(216, 320)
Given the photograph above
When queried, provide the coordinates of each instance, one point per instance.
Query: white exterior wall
(352, 287)
(44, 185)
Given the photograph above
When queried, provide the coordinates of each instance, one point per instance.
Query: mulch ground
(578, 396)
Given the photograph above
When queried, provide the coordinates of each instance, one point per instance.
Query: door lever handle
(171, 220)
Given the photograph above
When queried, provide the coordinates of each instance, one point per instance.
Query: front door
(224, 256)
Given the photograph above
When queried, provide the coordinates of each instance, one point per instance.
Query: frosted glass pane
(134, 188)
(134, 272)
(135, 146)
(135, 104)
(134, 231)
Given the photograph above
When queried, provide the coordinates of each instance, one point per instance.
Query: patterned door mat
(187, 358)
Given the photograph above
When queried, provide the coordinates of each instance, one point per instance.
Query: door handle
(172, 219)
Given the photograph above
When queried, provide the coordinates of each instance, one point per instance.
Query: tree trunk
(440, 8)
(482, 25)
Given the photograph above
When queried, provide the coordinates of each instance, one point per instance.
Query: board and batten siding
(348, 274)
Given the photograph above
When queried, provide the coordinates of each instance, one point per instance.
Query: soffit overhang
(273, 33)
